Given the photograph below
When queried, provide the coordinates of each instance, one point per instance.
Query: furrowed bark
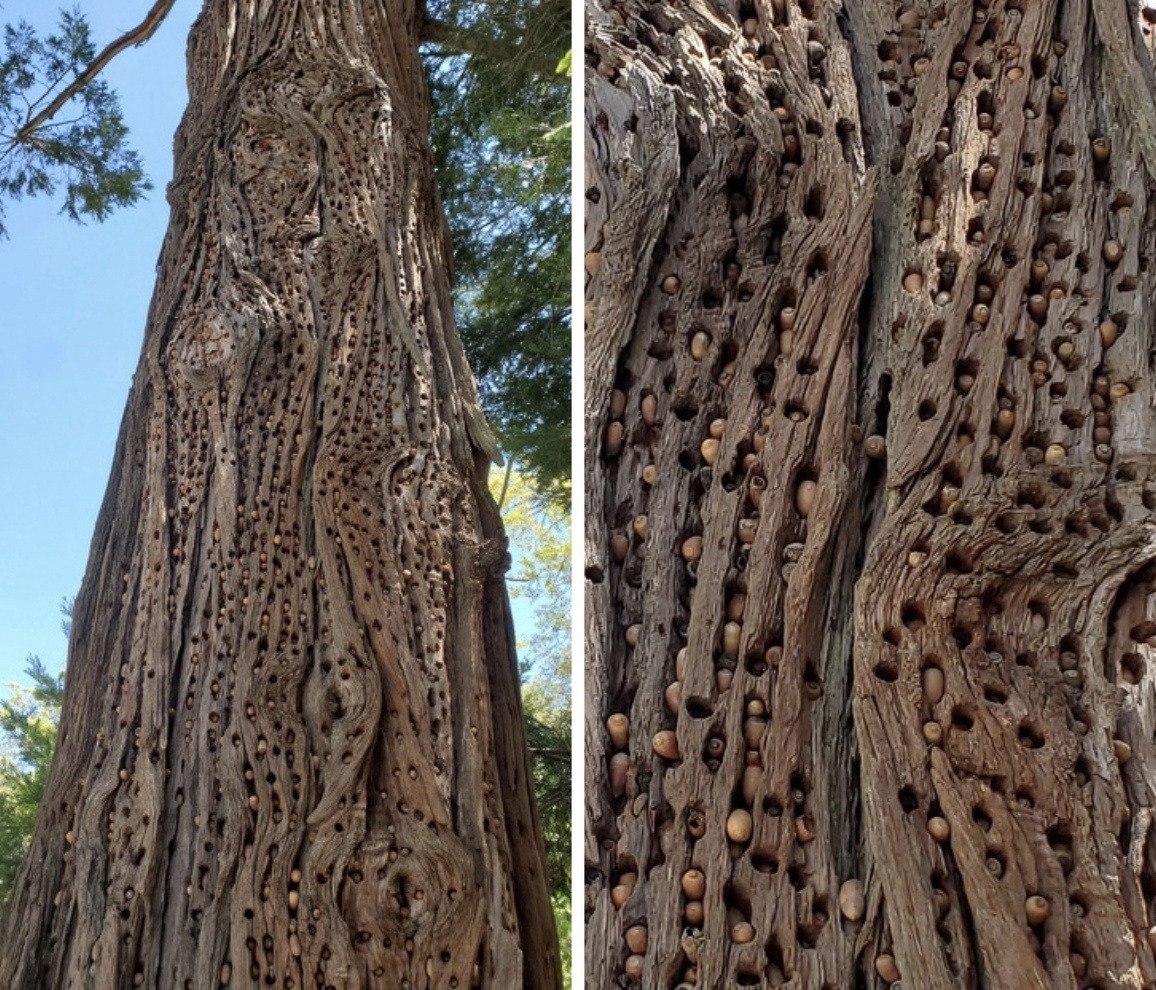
(870, 494)
(291, 751)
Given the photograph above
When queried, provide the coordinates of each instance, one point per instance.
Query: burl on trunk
(870, 530)
(292, 752)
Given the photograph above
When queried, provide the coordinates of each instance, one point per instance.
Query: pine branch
(462, 41)
(137, 36)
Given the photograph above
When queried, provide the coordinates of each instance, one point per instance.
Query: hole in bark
(817, 267)
(1030, 736)
(957, 562)
(795, 411)
(932, 340)
(962, 719)
(995, 694)
(891, 636)
(1065, 571)
(980, 816)
(814, 206)
(797, 875)
(765, 861)
(1030, 495)
(913, 616)
(962, 636)
(908, 800)
(927, 409)
(594, 574)
(887, 671)
(1007, 522)
(1132, 667)
(699, 708)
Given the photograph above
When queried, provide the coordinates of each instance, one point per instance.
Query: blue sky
(71, 327)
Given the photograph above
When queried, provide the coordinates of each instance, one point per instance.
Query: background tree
(502, 147)
(29, 718)
(869, 507)
(292, 658)
(539, 532)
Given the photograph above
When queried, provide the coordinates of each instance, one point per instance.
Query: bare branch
(137, 36)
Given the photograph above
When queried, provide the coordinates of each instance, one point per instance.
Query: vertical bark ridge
(986, 449)
(292, 715)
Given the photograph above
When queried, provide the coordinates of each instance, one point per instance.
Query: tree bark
(292, 751)
(869, 540)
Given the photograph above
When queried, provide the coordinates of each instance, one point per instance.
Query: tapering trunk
(870, 406)
(291, 751)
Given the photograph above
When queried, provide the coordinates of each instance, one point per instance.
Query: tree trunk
(870, 542)
(292, 751)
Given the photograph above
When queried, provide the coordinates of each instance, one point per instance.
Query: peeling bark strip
(870, 543)
(292, 752)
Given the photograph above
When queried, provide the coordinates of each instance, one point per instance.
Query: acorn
(1113, 252)
(618, 727)
(1122, 750)
(742, 932)
(636, 939)
(619, 545)
(732, 637)
(694, 913)
(621, 891)
(692, 548)
(717, 428)
(1109, 333)
(875, 447)
(747, 530)
(666, 744)
(650, 474)
(753, 729)
(913, 281)
(641, 526)
(671, 284)
(886, 968)
(617, 403)
(984, 176)
(593, 262)
(633, 967)
(933, 684)
(673, 696)
(618, 771)
(939, 829)
(648, 408)
(1038, 307)
(723, 679)
(1037, 909)
(805, 497)
(699, 345)
(1101, 150)
(739, 826)
(852, 900)
(694, 884)
(709, 449)
(615, 436)
(933, 733)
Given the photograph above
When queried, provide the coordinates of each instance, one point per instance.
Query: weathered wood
(881, 337)
(292, 751)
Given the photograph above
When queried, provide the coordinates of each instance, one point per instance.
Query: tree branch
(137, 36)
(462, 41)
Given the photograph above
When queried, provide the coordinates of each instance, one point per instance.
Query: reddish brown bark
(291, 751)
(869, 312)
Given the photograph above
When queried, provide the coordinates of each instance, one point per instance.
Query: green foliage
(539, 532)
(28, 721)
(501, 91)
(83, 148)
